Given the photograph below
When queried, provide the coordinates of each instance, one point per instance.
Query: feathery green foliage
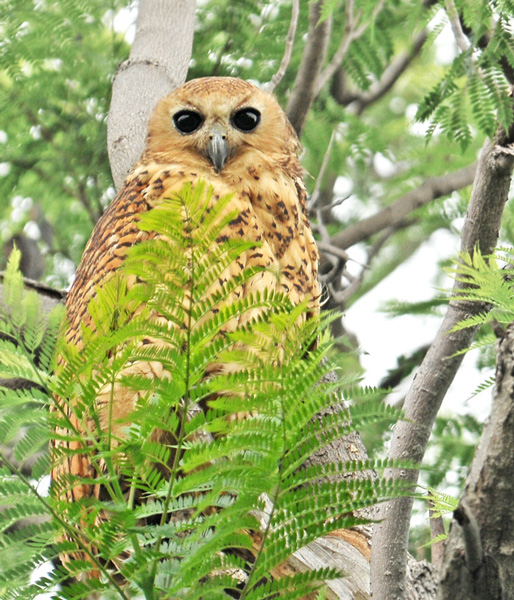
(440, 505)
(486, 280)
(27, 348)
(54, 92)
(223, 495)
(475, 85)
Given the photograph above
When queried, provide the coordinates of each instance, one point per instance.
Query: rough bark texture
(481, 228)
(479, 558)
(158, 63)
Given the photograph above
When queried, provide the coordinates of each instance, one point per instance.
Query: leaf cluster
(486, 280)
(54, 93)
(27, 350)
(474, 89)
(207, 483)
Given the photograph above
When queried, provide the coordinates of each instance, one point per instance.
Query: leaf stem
(70, 531)
(274, 502)
(187, 380)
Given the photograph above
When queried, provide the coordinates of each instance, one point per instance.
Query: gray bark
(410, 439)
(479, 557)
(395, 213)
(158, 63)
(304, 88)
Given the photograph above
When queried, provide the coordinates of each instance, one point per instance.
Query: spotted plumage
(236, 138)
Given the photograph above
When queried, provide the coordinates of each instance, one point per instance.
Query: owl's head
(217, 120)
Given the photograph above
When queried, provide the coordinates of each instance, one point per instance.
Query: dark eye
(246, 119)
(187, 121)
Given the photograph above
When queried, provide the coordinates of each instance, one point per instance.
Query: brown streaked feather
(264, 177)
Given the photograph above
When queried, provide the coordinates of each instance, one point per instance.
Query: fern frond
(295, 587)
(441, 503)
(484, 385)
(205, 486)
(21, 396)
(482, 104)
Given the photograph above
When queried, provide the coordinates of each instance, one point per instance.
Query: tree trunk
(434, 376)
(158, 63)
(479, 556)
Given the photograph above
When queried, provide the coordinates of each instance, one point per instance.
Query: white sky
(383, 338)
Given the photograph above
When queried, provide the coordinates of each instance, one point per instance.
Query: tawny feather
(263, 173)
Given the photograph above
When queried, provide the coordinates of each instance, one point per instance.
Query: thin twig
(286, 59)
(460, 37)
(336, 202)
(335, 251)
(315, 194)
(321, 229)
(351, 34)
(342, 296)
(81, 194)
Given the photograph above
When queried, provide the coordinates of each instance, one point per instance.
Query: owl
(234, 137)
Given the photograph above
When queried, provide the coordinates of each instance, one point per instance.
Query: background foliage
(57, 60)
(191, 501)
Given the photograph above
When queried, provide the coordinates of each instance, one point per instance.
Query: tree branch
(465, 518)
(460, 37)
(314, 199)
(50, 296)
(436, 529)
(432, 188)
(158, 63)
(339, 297)
(81, 194)
(304, 88)
(286, 59)
(410, 438)
(390, 75)
(351, 33)
(489, 544)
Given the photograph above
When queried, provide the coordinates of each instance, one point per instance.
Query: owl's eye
(187, 121)
(246, 119)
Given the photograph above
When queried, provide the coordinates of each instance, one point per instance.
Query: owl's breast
(271, 210)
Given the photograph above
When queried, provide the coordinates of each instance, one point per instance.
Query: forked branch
(410, 439)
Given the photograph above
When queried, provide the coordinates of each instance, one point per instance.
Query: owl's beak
(218, 148)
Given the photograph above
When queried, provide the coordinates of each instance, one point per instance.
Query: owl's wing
(114, 233)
